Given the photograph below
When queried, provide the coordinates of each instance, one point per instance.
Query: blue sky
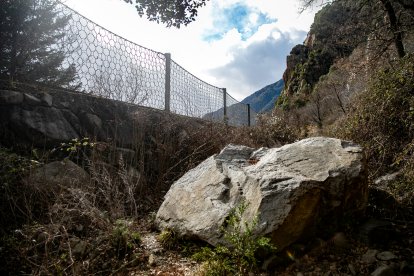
(246, 20)
(237, 44)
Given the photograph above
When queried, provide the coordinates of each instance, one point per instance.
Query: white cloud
(243, 60)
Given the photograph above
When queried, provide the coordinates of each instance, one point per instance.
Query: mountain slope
(264, 99)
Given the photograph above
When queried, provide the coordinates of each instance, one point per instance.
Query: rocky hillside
(339, 29)
(264, 99)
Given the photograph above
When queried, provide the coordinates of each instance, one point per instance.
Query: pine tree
(30, 43)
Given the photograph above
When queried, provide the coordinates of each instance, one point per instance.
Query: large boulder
(42, 124)
(60, 173)
(293, 191)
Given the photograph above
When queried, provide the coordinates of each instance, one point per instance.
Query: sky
(240, 45)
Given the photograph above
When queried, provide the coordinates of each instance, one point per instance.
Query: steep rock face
(298, 55)
(295, 191)
(334, 34)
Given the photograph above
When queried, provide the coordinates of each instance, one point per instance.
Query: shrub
(15, 208)
(382, 118)
(276, 129)
(169, 239)
(123, 239)
(238, 255)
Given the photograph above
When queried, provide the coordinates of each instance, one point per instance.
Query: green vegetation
(123, 239)
(55, 226)
(77, 150)
(170, 12)
(382, 118)
(29, 29)
(13, 207)
(169, 239)
(239, 255)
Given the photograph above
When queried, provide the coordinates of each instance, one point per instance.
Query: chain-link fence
(110, 66)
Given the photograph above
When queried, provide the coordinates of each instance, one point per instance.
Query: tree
(30, 52)
(399, 16)
(170, 12)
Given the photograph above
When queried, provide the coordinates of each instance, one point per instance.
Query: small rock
(352, 269)
(269, 262)
(407, 268)
(386, 256)
(11, 97)
(383, 271)
(31, 100)
(340, 241)
(151, 260)
(80, 248)
(79, 227)
(376, 232)
(47, 99)
(385, 180)
(370, 256)
(43, 237)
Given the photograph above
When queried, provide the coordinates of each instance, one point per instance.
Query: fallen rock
(294, 191)
(351, 268)
(377, 232)
(407, 268)
(31, 100)
(79, 249)
(370, 256)
(47, 99)
(385, 180)
(65, 173)
(383, 271)
(10, 97)
(152, 260)
(386, 256)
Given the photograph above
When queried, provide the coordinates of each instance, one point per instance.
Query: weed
(123, 239)
(169, 239)
(77, 150)
(238, 256)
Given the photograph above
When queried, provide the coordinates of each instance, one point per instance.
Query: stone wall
(39, 118)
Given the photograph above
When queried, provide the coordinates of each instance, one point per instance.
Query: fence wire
(193, 97)
(237, 113)
(110, 66)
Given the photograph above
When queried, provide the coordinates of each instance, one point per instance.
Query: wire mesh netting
(193, 97)
(110, 66)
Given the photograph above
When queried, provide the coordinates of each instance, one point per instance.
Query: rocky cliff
(340, 28)
(334, 34)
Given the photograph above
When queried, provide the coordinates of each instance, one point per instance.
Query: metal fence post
(167, 81)
(225, 106)
(248, 114)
